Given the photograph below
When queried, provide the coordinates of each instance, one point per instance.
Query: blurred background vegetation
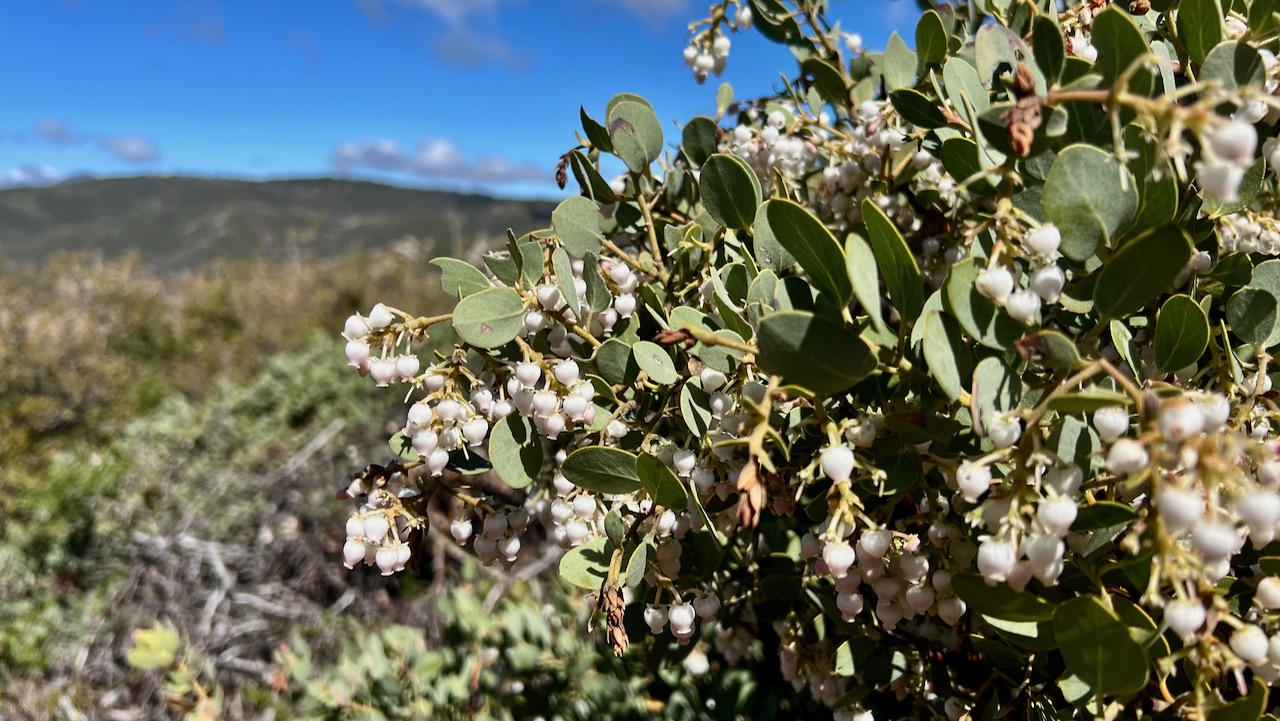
(175, 414)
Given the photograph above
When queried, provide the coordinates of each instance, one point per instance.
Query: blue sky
(456, 94)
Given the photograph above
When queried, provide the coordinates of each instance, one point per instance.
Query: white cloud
(54, 131)
(652, 12)
(130, 148)
(29, 175)
(436, 158)
(454, 12)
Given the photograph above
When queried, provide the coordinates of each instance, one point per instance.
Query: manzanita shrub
(938, 382)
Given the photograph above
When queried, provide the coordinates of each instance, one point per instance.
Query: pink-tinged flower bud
(433, 382)
(656, 618)
(919, 599)
(839, 557)
(1184, 618)
(1057, 515)
(1214, 541)
(407, 367)
(889, 614)
(355, 328)
(528, 374)
(707, 606)
(380, 317)
(437, 461)
(625, 305)
(1267, 595)
(1004, 429)
(383, 371)
(837, 463)
(576, 408)
(616, 429)
(585, 507)
(502, 409)
(1023, 306)
(951, 609)
(355, 527)
(509, 548)
(712, 380)
(913, 567)
(475, 430)
(681, 616)
(1127, 457)
(353, 553)
(1047, 282)
(544, 402)
(376, 527)
(551, 426)
(973, 480)
(850, 605)
(567, 372)
(1221, 179)
(1044, 241)
(548, 296)
(1179, 508)
(1181, 420)
(995, 283)
(461, 530)
(684, 462)
(387, 559)
(875, 543)
(576, 531)
(420, 415)
(1111, 422)
(996, 560)
(425, 441)
(1234, 141)
(608, 319)
(1065, 481)
(941, 581)
(357, 353)
(1250, 643)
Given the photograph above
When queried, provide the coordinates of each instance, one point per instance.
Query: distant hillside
(179, 222)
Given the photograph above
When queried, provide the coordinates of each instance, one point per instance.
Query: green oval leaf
(589, 179)
(812, 245)
(1085, 198)
(635, 133)
(459, 278)
(1103, 514)
(1048, 47)
(587, 566)
(864, 277)
(1098, 648)
(730, 190)
(515, 451)
(1199, 27)
(931, 38)
(768, 251)
(490, 318)
(695, 407)
(996, 388)
(895, 261)
(661, 483)
(949, 359)
(576, 221)
(1182, 333)
(1235, 65)
(1120, 42)
(917, 109)
(656, 363)
(999, 601)
(1251, 312)
(603, 470)
(698, 140)
(813, 352)
(1140, 271)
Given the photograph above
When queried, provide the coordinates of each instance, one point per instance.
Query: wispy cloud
(653, 13)
(130, 148)
(435, 158)
(29, 175)
(470, 38)
(55, 131)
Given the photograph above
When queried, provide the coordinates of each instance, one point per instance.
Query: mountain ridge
(182, 222)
